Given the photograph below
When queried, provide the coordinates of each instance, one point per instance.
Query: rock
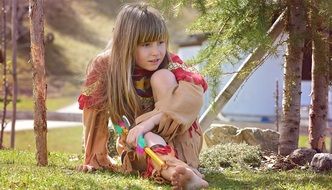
(222, 134)
(322, 162)
(302, 156)
(267, 139)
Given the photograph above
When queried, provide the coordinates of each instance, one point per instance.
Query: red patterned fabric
(149, 166)
(182, 73)
(83, 101)
(93, 89)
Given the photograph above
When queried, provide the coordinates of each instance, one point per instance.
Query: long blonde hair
(135, 24)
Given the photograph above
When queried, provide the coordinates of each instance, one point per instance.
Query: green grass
(67, 140)
(19, 171)
(304, 142)
(53, 103)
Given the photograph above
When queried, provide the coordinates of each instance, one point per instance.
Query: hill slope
(81, 29)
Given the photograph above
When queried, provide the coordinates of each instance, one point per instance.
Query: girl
(138, 78)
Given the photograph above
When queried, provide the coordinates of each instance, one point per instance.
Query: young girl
(138, 78)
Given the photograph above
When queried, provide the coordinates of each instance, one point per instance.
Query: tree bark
(296, 26)
(4, 79)
(320, 79)
(14, 74)
(39, 78)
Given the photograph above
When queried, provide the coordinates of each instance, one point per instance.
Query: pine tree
(296, 27)
(319, 21)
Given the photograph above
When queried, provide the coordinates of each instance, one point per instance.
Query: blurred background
(75, 32)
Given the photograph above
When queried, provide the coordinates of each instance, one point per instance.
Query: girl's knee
(153, 139)
(149, 135)
(163, 78)
(161, 82)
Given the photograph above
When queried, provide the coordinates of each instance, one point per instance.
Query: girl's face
(149, 55)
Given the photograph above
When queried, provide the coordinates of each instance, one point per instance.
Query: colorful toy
(141, 148)
(123, 127)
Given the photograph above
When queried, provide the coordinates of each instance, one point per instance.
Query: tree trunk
(4, 77)
(296, 26)
(39, 79)
(14, 46)
(329, 123)
(250, 64)
(320, 78)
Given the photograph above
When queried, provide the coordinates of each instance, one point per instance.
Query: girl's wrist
(149, 124)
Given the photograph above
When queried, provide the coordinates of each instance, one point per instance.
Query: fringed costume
(178, 126)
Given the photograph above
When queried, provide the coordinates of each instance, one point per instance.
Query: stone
(267, 139)
(321, 162)
(222, 134)
(302, 156)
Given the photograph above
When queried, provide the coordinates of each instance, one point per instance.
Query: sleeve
(95, 117)
(180, 108)
(96, 136)
(93, 92)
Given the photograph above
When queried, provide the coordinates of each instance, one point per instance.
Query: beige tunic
(180, 108)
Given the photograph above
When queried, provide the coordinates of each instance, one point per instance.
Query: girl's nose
(155, 49)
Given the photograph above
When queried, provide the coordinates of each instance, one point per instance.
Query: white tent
(255, 100)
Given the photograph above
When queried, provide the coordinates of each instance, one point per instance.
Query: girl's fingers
(131, 138)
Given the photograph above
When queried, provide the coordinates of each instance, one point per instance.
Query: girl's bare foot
(197, 173)
(185, 178)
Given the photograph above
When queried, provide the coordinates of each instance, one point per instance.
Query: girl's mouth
(154, 60)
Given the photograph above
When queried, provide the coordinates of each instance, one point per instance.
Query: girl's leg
(181, 176)
(161, 82)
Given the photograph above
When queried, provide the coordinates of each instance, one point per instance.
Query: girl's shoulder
(184, 72)
(93, 88)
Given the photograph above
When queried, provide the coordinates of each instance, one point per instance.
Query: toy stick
(141, 146)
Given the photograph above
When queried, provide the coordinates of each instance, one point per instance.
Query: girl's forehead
(152, 40)
(151, 29)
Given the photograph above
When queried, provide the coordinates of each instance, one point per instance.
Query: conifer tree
(319, 21)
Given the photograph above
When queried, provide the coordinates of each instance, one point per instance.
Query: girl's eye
(161, 42)
(146, 44)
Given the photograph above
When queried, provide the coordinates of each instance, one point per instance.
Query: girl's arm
(142, 128)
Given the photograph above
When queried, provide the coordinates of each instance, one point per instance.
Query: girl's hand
(134, 133)
(141, 129)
